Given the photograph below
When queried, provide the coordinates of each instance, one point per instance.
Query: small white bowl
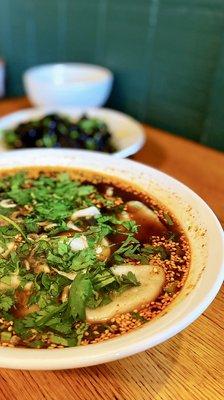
(127, 134)
(68, 84)
(205, 277)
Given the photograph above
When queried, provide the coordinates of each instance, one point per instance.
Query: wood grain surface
(187, 367)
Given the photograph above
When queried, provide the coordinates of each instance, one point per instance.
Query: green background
(167, 55)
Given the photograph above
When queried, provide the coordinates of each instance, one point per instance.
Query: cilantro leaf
(129, 248)
(49, 312)
(62, 248)
(102, 279)
(57, 210)
(148, 251)
(83, 259)
(17, 180)
(6, 302)
(21, 197)
(14, 224)
(31, 225)
(130, 278)
(80, 292)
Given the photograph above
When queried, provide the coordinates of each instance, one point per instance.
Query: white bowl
(68, 84)
(127, 134)
(205, 277)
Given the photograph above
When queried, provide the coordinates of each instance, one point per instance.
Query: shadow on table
(138, 377)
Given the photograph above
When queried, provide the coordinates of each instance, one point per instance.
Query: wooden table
(190, 365)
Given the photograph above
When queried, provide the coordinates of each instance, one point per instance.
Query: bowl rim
(30, 75)
(138, 340)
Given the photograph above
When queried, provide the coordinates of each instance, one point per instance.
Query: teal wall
(167, 55)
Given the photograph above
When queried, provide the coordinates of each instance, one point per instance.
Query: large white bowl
(127, 134)
(68, 84)
(207, 260)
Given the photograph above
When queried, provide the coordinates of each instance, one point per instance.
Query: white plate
(205, 277)
(128, 134)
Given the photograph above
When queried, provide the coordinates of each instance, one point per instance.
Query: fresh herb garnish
(57, 283)
(6, 302)
(81, 290)
(14, 224)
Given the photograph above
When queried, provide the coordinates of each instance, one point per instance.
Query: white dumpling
(143, 215)
(151, 279)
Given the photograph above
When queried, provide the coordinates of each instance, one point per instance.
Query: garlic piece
(65, 294)
(86, 212)
(72, 226)
(79, 243)
(7, 203)
(28, 286)
(151, 281)
(10, 247)
(50, 226)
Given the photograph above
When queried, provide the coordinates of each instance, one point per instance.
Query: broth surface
(83, 258)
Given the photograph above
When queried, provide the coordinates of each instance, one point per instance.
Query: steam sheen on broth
(83, 258)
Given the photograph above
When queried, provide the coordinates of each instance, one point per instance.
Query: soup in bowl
(98, 260)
